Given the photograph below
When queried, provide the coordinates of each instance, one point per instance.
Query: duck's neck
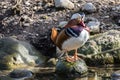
(83, 26)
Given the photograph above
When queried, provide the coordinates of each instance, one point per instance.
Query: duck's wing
(54, 35)
(62, 36)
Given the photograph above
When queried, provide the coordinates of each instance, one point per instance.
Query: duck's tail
(54, 35)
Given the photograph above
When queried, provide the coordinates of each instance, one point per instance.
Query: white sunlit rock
(64, 4)
(94, 26)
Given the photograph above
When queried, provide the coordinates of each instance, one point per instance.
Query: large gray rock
(64, 4)
(14, 53)
(102, 48)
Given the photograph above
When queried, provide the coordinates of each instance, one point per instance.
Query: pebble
(35, 8)
(26, 24)
(26, 18)
(44, 17)
(64, 4)
(93, 24)
(106, 17)
(62, 24)
(4, 7)
(89, 7)
(116, 8)
(27, 3)
(54, 19)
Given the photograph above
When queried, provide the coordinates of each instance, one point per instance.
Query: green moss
(71, 68)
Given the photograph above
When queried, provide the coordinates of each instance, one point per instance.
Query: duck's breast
(76, 42)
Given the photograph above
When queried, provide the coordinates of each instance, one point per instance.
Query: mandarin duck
(71, 37)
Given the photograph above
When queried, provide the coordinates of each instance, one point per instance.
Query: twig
(104, 52)
(114, 49)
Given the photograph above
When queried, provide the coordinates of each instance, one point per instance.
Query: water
(94, 73)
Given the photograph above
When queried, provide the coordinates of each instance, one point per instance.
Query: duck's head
(79, 16)
(81, 21)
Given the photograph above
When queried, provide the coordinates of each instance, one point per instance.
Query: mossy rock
(101, 43)
(65, 68)
(15, 53)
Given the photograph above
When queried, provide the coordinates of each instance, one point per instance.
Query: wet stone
(89, 7)
(70, 69)
(20, 73)
(116, 75)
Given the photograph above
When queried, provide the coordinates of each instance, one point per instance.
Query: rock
(106, 17)
(27, 3)
(89, 7)
(116, 8)
(116, 75)
(93, 24)
(25, 18)
(14, 54)
(26, 24)
(95, 49)
(44, 17)
(20, 74)
(62, 24)
(64, 4)
(77, 68)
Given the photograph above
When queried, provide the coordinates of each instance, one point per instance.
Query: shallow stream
(94, 73)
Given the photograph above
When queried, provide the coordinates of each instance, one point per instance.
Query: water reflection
(93, 74)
